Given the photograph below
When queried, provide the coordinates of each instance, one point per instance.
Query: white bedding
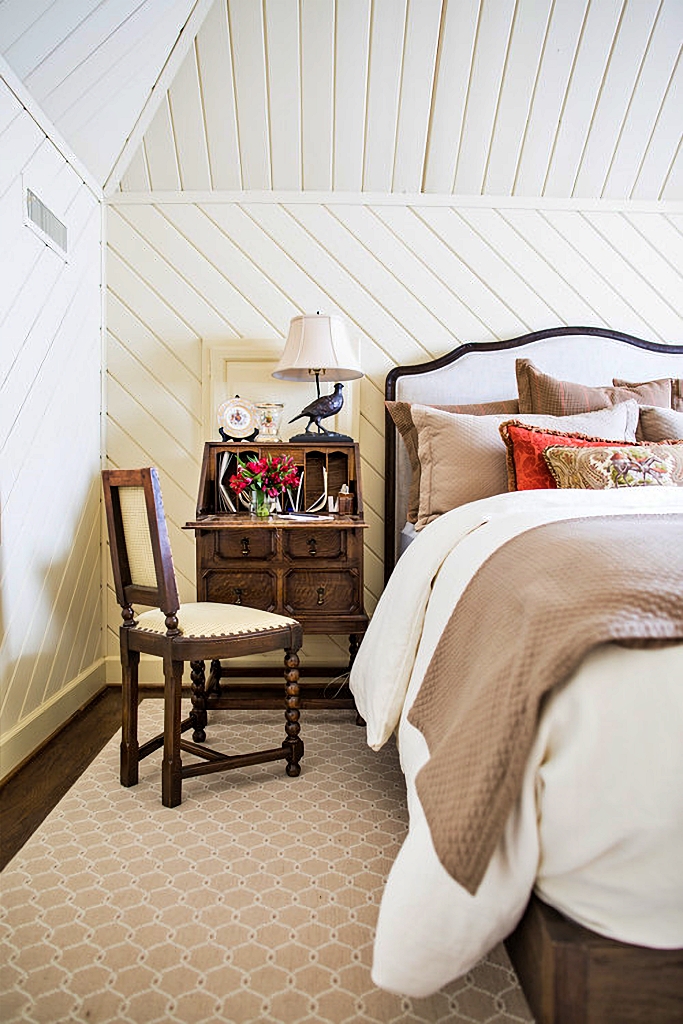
(598, 827)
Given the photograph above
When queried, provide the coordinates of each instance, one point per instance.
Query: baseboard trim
(24, 739)
(150, 672)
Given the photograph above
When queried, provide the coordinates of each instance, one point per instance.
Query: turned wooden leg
(198, 715)
(213, 685)
(354, 644)
(292, 728)
(130, 750)
(171, 766)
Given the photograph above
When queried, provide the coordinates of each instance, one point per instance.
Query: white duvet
(598, 826)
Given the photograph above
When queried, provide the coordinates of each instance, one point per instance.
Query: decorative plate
(238, 418)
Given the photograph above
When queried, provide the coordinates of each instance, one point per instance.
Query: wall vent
(46, 223)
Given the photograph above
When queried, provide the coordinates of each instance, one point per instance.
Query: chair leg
(198, 715)
(130, 751)
(292, 728)
(171, 767)
(213, 687)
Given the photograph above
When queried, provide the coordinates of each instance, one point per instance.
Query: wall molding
(394, 199)
(150, 671)
(27, 736)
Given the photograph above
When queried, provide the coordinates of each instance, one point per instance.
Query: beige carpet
(254, 901)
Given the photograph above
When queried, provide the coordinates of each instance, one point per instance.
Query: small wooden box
(345, 504)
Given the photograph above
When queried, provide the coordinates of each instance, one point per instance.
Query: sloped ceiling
(555, 98)
(91, 64)
(558, 98)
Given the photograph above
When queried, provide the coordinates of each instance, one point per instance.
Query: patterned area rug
(254, 901)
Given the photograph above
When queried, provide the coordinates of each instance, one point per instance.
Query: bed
(584, 849)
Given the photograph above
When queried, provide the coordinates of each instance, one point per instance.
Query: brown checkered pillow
(539, 392)
(676, 390)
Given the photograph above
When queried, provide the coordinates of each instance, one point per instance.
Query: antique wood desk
(311, 570)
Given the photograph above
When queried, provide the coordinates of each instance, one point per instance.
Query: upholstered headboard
(485, 372)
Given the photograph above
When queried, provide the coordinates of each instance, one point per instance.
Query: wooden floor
(30, 794)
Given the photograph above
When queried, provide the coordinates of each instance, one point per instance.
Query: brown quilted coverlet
(524, 623)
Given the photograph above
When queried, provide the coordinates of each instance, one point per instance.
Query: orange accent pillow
(527, 469)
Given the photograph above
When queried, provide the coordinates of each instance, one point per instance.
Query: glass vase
(270, 414)
(261, 504)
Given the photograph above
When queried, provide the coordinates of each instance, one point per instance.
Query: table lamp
(319, 345)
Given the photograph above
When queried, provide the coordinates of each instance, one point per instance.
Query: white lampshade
(318, 344)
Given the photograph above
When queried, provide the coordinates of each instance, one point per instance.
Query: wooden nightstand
(311, 570)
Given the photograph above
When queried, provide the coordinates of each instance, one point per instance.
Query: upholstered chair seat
(204, 619)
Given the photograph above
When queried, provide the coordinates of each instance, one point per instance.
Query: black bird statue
(319, 409)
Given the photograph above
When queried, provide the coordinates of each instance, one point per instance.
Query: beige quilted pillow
(463, 458)
(401, 415)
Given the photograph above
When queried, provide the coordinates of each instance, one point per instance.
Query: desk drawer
(305, 545)
(257, 589)
(243, 545)
(322, 592)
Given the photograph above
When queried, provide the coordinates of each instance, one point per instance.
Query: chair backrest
(138, 539)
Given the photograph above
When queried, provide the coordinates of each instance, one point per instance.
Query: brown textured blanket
(526, 620)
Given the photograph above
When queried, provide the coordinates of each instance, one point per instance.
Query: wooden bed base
(570, 975)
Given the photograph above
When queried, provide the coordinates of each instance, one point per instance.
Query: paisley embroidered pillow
(610, 466)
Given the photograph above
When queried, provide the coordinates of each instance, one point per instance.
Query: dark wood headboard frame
(390, 436)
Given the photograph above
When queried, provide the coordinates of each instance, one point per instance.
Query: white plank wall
(432, 170)
(50, 399)
(413, 280)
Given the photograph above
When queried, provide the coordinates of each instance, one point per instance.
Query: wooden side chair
(144, 574)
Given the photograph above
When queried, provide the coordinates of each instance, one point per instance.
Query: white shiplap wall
(413, 279)
(50, 401)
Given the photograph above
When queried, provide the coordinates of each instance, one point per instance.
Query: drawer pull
(245, 547)
(321, 595)
(312, 547)
(238, 591)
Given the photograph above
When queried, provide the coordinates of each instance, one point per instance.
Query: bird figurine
(320, 408)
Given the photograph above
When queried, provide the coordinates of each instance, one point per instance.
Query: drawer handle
(312, 547)
(238, 595)
(321, 595)
(245, 547)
